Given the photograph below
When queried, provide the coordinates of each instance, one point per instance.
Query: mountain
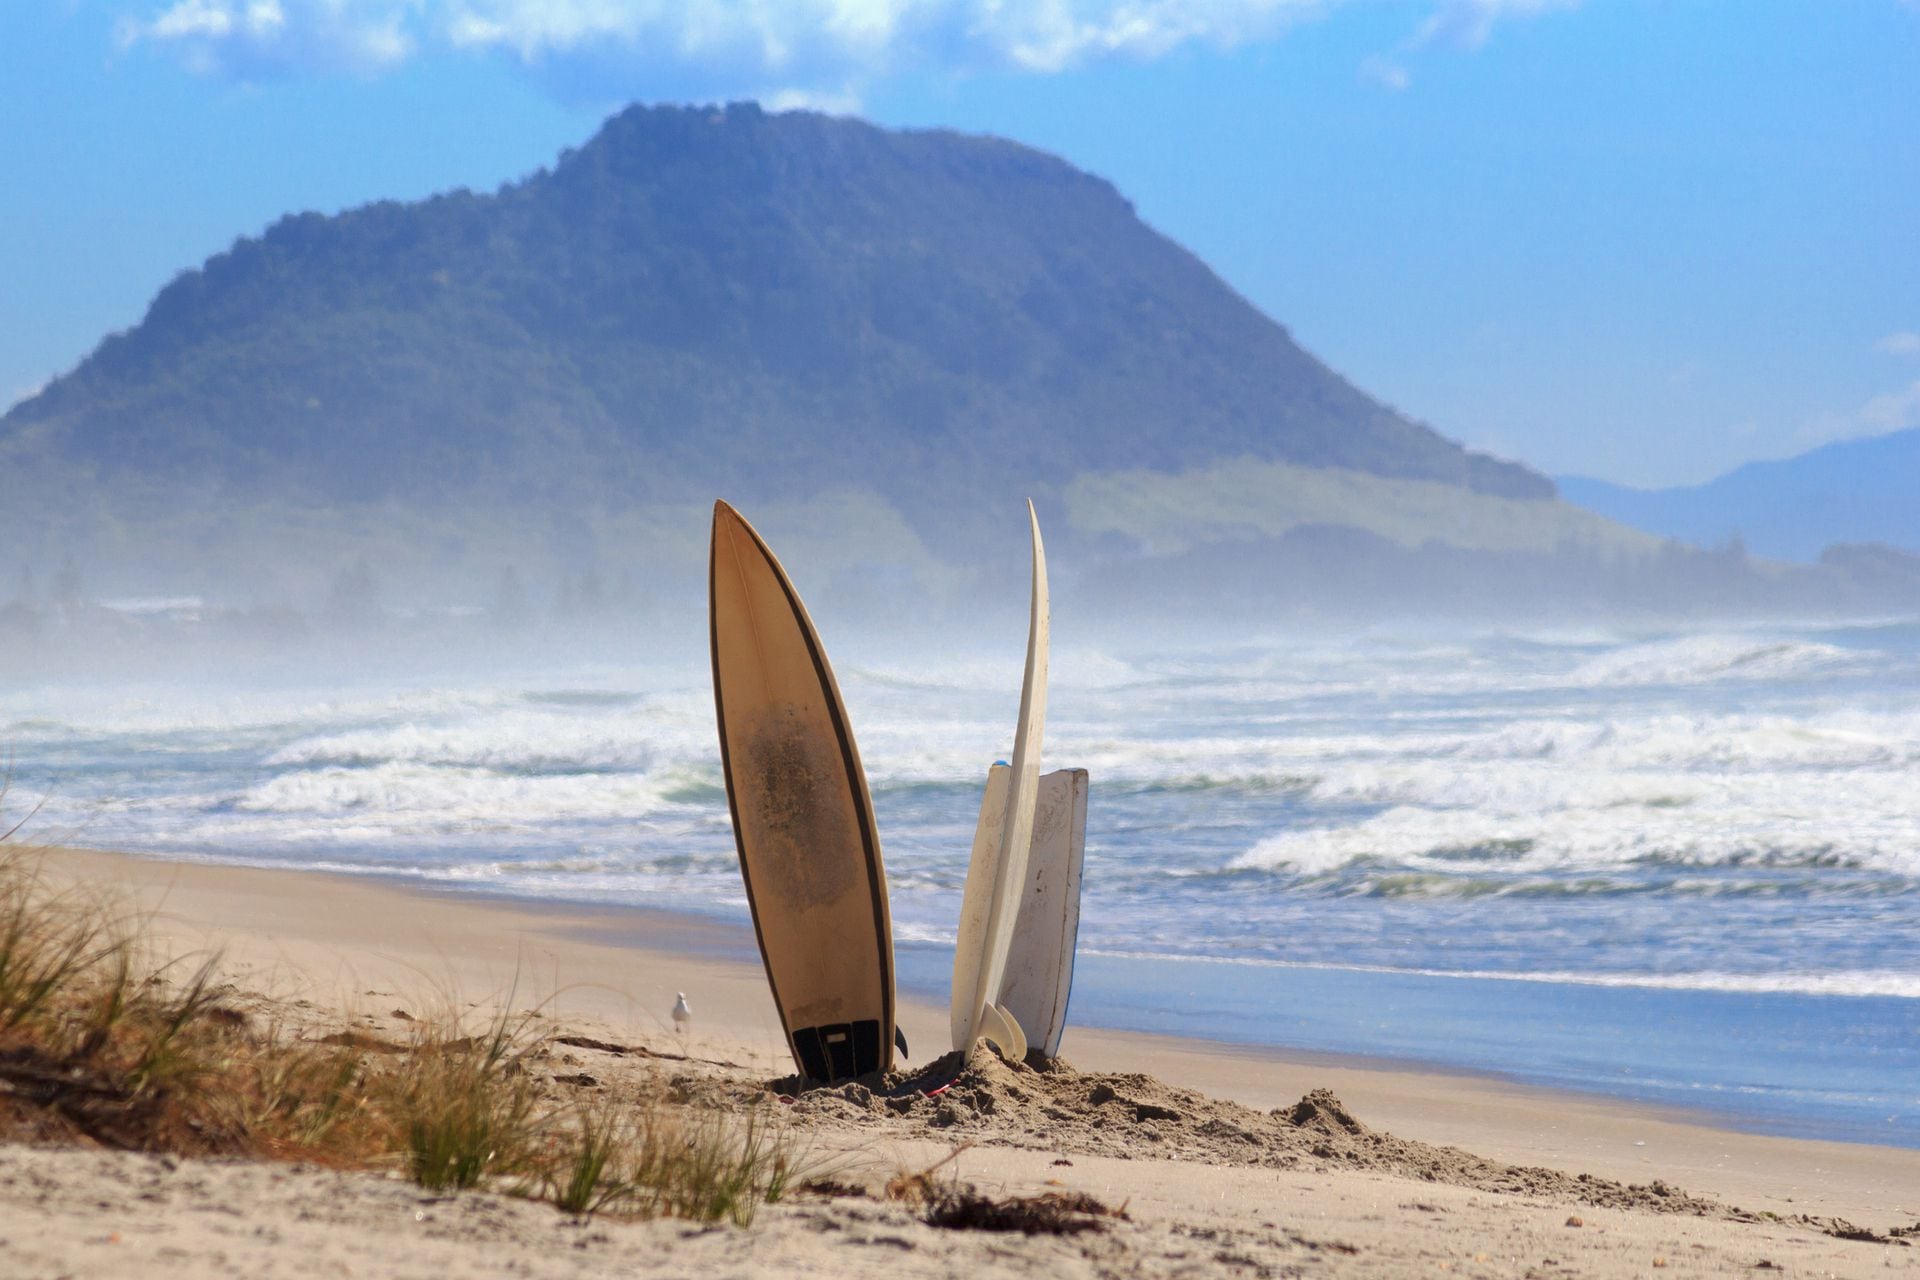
(721, 297)
(1854, 491)
(922, 326)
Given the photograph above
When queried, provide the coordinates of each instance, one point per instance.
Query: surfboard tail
(1002, 1030)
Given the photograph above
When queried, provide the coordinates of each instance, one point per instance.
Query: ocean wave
(1704, 659)
(1769, 836)
(917, 931)
(404, 791)
(1255, 782)
(115, 711)
(1372, 882)
(587, 699)
(1864, 983)
(523, 740)
(1666, 756)
(970, 675)
(1382, 668)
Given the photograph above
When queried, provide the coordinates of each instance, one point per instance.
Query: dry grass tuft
(1051, 1213)
(96, 1039)
(945, 1201)
(917, 1188)
(102, 1041)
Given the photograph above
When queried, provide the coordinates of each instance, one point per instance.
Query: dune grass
(102, 1040)
(659, 1160)
(461, 1106)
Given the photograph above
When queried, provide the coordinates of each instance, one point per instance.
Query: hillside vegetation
(695, 302)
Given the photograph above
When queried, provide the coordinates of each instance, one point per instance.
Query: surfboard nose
(729, 528)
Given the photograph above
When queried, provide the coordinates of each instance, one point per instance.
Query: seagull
(682, 1015)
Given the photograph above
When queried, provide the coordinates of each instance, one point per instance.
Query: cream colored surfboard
(802, 818)
(1039, 970)
(998, 868)
(1039, 973)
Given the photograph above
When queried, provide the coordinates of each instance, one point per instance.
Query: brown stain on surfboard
(792, 821)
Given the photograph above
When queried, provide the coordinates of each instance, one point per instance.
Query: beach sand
(1223, 1163)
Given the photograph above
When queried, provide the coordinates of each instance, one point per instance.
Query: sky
(1644, 240)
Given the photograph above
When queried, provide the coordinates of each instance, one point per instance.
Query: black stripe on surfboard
(849, 756)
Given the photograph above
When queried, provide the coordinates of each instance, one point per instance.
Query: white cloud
(1461, 25)
(814, 44)
(1386, 72)
(1895, 411)
(246, 37)
(810, 47)
(193, 18)
(1466, 24)
(842, 102)
(1905, 343)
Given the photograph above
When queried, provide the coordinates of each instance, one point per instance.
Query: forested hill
(701, 301)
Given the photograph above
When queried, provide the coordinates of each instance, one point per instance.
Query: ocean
(1682, 868)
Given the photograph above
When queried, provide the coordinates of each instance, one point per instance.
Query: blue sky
(1637, 239)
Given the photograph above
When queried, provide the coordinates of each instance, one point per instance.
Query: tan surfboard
(802, 818)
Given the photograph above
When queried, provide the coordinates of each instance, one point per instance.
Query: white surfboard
(998, 869)
(1039, 970)
(1039, 974)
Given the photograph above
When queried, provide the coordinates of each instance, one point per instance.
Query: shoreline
(731, 941)
(350, 939)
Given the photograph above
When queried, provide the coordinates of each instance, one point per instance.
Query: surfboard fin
(900, 1042)
(1003, 1030)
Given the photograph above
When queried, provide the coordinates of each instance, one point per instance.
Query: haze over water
(1680, 867)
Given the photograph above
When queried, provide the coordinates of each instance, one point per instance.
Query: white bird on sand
(682, 1015)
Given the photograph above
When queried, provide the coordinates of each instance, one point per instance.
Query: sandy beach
(1226, 1162)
